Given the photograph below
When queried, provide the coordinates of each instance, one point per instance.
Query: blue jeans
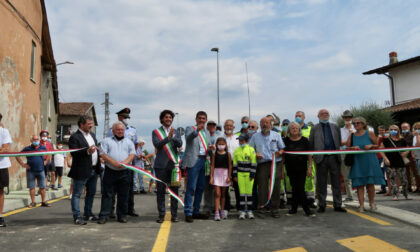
(195, 187)
(138, 185)
(78, 186)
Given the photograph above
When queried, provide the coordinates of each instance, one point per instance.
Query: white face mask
(126, 121)
(60, 146)
(44, 138)
(228, 132)
(221, 147)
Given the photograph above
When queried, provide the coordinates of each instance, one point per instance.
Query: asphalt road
(52, 229)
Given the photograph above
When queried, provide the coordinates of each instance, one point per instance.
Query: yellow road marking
(163, 235)
(367, 243)
(297, 249)
(27, 208)
(367, 217)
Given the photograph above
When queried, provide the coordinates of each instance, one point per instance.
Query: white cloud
(337, 61)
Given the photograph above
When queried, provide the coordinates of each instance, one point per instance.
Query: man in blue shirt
(116, 150)
(35, 170)
(265, 144)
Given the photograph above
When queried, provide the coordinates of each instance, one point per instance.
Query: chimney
(393, 58)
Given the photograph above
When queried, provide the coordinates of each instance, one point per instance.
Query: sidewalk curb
(390, 212)
(20, 199)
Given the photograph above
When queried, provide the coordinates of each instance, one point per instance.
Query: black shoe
(381, 192)
(101, 221)
(161, 219)
(133, 214)
(201, 216)
(189, 218)
(174, 219)
(321, 209)
(79, 221)
(313, 206)
(112, 216)
(2, 222)
(340, 209)
(136, 192)
(91, 218)
(123, 220)
(309, 213)
(292, 211)
(143, 191)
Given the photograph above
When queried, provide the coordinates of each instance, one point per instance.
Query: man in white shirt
(5, 141)
(346, 132)
(232, 144)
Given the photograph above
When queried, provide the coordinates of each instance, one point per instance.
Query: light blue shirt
(139, 162)
(266, 145)
(117, 150)
(130, 133)
(212, 139)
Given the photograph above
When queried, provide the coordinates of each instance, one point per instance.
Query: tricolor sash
(37, 153)
(203, 139)
(169, 149)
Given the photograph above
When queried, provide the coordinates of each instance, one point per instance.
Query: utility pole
(106, 123)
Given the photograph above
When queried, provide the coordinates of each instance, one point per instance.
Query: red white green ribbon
(169, 149)
(149, 175)
(203, 138)
(336, 152)
(37, 153)
(272, 177)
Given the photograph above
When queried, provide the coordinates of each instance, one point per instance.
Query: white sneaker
(242, 216)
(225, 215)
(250, 215)
(70, 196)
(373, 207)
(361, 209)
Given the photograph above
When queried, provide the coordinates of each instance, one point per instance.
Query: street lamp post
(218, 96)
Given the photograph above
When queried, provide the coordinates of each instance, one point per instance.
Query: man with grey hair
(116, 150)
(244, 125)
(327, 136)
(253, 127)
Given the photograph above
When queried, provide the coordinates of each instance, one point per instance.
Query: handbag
(405, 160)
(349, 158)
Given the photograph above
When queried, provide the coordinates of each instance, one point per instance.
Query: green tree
(372, 112)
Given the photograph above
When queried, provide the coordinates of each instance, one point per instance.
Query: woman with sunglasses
(394, 160)
(365, 170)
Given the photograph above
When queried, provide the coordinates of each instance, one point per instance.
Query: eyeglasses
(356, 123)
(252, 127)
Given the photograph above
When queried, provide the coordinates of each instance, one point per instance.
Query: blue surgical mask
(298, 120)
(244, 125)
(35, 143)
(243, 145)
(284, 128)
(404, 131)
(324, 121)
(393, 132)
(418, 131)
(386, 134)
(252, 132)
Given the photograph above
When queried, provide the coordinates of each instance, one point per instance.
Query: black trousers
(130, 195)
(165, 174)
(115, 182)
(297, 177)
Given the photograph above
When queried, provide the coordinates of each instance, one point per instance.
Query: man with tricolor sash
(268, 144)
(167, 140)
(195, 158)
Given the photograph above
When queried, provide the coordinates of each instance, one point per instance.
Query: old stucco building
(28, 82)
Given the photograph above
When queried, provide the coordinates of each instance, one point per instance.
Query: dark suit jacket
(316, 138)
(81, 167)
(162, 160)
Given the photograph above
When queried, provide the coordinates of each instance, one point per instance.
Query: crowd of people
(217, 161)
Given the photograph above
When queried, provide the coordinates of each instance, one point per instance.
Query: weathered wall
(20, 96)
(48, 110)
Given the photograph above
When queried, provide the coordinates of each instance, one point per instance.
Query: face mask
(243, 145)
(244, 125)
(35, 143)
(265, 131)
(252, 132)
(298, 120)
(348, 122)
(393, 132)
(118, 138)
(418, 131)
(386, 134)
(404, 131)
(228, 132)
(324, 121)
(218, 132)
(60, 146)
(49, 140)
(125, 121)
(284, 128)
(221, 147)
(44, 139)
